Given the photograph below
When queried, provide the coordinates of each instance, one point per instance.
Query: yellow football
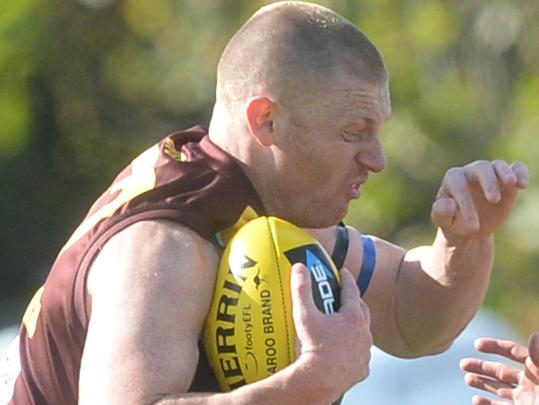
(249, 332)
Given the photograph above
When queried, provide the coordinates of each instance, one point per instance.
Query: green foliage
(86, 85)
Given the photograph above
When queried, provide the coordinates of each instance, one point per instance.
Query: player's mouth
(355, 190)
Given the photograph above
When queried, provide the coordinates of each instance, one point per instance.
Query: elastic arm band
(368, 264)
(341, 246)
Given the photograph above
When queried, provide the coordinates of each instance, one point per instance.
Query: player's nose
(373, 159)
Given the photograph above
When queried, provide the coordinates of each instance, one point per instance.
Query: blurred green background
(86, 85)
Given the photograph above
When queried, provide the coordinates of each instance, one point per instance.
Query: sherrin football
(249, 332)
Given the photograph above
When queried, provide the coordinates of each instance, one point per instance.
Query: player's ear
(260, 113)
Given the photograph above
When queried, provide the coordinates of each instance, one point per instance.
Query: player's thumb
(532, 361)
(534, 352)
(443, 212)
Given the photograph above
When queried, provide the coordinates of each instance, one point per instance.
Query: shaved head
(293, 48)
(301, 95)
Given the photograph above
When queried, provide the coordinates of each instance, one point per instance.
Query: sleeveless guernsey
(184, 178)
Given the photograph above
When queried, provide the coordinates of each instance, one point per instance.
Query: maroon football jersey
(184, 178)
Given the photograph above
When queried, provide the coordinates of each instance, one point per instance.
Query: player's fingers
(443, 212)
(532, 362)
(521, 171)
(456, 186)
(302, 297)
(504, 172)
(484, 173)
(506, 348)
(351, 301)
(494, 387)
(498, 371)
(479, 400)
(534, 348)
(353, 309)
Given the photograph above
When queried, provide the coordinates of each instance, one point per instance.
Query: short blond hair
(292, 47)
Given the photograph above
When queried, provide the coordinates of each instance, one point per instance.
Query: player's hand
(477, 198)
(336, 348)
(521, 386)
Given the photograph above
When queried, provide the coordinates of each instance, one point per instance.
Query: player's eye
(354, 136)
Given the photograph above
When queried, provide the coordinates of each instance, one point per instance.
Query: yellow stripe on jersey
(31, 314)
(142, 179)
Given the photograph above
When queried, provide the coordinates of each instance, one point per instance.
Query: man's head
(301, 93)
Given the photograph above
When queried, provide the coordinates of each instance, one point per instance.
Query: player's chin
(319, 213)
(330, 215)
(338, 211)
(341, 210)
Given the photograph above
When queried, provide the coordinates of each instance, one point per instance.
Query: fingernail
(510, 178)
(522, 183)
(495, 198)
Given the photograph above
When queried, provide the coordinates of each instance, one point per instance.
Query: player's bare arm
(421, 299)
(452, 274)
(147, 317)
(449, 278)
(150, 288)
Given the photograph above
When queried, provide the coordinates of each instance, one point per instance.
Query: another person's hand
(477, 198)
(505, 381)
(335, 348)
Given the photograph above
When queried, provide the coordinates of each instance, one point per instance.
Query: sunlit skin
(520, 385)
(307, 142)
(324, 151)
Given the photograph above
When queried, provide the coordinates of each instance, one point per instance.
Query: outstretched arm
(503, 380)
(439, 288)
(421, 299)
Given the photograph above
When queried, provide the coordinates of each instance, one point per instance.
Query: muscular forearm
(291, 385)
(294, 385)
(448, 281)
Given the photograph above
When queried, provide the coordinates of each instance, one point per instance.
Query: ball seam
(279, 274)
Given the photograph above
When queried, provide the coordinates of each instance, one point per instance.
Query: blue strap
(368, 264)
